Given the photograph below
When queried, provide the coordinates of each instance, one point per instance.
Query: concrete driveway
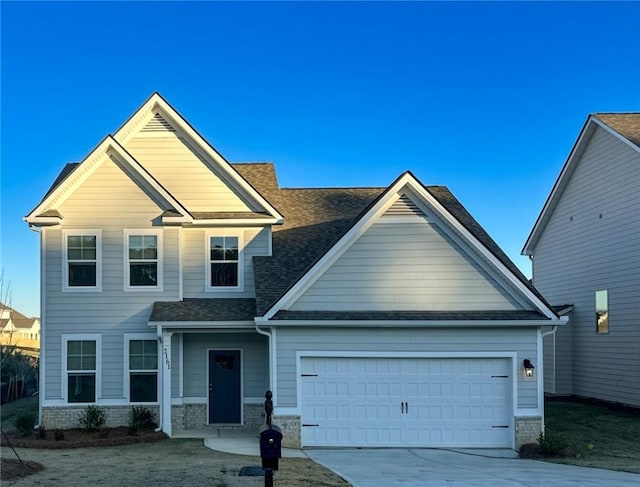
(468, 468)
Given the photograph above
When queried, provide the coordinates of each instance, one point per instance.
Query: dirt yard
(164, 463)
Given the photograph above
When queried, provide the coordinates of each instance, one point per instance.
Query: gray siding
(184, 173)
(195, 261)
(289, 341)
(592, 242)
(255, 361)
(111, 201)
(406, 266)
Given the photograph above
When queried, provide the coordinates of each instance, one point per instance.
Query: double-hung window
(82, 256)
(142, 353)
(143, 262)
(81, 366)
(224, 262)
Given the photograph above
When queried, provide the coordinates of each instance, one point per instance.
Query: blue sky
(485, 98)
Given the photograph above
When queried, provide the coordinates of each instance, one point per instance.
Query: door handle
(406, 408)
(210, 387)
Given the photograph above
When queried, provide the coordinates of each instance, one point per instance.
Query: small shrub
(41, 433)
(92, 418)
(58, 435)
(25, 422)
(552, 445)
(140, 418)
(103, 433)
(529, 450)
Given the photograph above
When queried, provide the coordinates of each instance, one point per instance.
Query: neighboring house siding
(197, 186)
(109, 201)
(522, 341)
(580, 252)
(406, 266)
(195, 261)
(255, 362)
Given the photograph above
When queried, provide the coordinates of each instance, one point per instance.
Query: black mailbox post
(270, 446)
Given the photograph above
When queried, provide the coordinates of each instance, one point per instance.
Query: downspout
(552, 331)
(43, 287)
(271, 357)
(160, 395)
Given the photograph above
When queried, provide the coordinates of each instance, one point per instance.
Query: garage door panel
(451, 402)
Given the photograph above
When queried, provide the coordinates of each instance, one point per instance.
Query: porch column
(166, 382)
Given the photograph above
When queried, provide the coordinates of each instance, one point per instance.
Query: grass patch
(11, 410)
(598, 435)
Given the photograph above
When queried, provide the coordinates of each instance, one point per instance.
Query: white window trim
(160, 260)
(127, 373)
(65, 262)
(97, 337)
(207, 274)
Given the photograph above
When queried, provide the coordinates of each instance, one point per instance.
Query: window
(224, 270)
(602, 311)
(81, 260)
(81, 364)
(143, 370)
(143, 259)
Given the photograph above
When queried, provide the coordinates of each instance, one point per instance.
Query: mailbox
(270, 446)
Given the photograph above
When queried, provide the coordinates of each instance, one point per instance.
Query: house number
(166, 358)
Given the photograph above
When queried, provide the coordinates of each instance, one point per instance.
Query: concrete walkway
(459, 468)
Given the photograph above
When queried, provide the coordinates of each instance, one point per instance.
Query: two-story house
(377, 316)
(585, 250)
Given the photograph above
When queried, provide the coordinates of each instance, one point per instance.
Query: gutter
(160, 392)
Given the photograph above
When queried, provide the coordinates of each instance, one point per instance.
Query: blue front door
(224, 386)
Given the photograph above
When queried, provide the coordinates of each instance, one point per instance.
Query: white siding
(111, 201)
(406, 266)
(184, 174)
(592, 242)
(521, 341)
(255, 366)
(195, 261)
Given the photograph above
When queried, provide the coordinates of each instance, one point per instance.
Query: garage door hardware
(500, 426)
(499, 376)
(404, 408)
(309, 375)
(305, 425)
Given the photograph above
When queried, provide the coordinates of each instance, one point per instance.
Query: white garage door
(435, 402)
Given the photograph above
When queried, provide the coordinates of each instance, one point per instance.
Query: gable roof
(623, 126)
(155, 105)
(74, 175)
(317, 219)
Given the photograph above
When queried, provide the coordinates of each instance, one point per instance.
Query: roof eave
(412, 323)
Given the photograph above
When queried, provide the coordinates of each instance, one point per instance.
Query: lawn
(598, 435)
(10, 410)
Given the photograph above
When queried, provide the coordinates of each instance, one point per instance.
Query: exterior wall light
(528, 367)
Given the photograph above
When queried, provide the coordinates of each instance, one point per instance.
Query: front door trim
(208, 381)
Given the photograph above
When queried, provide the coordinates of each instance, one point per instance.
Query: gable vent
(158, 124)
(404, 207)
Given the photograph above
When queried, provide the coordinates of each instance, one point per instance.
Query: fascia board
(237, 222)
(558, 187)
(202, 324)
(155, 103)
(389, 197)
(412, 323)
(43, 220)
(482, 250)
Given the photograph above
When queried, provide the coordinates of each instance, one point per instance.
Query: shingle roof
(408, 315)
(626, 124)
(237, 309)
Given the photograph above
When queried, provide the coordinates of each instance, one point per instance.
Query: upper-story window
(224, 262)
(602, 311)
(143, 262)
(82, 260)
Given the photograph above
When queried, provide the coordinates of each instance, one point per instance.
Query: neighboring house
(16, 329)
(585, 248)
(377, 316)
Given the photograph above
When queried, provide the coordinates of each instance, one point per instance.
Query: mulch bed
(12, 468)
(79, 438)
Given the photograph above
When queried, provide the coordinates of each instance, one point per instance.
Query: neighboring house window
(142, 368)
(224, 270)
(82, 362)
(602, 311)
(82, 269)
(143, 263)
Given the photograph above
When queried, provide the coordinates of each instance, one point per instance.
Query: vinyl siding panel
(198, 187)
(195, 262)
(406, 266)
(255, 361)
(291, 340)
(110, 201)
(592, 242)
